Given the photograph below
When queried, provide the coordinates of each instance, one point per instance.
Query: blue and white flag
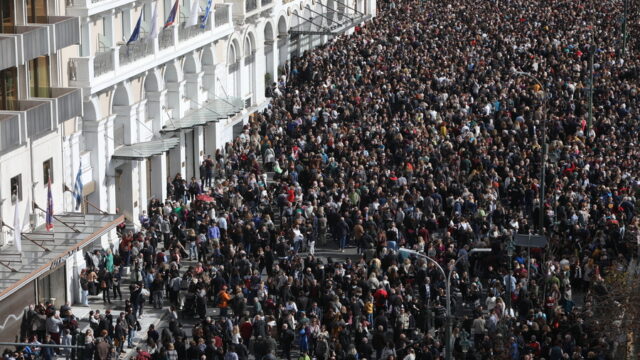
(205, 17)
(77, 188)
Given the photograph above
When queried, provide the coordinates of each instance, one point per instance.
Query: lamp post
(543, 157)
(448, 345)
(510, 248)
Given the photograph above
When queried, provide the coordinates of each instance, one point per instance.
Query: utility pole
(592, 50)
(624, 27)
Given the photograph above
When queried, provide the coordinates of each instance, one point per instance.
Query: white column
(261, 69)
(97, 137)
(126, 118)
(155, 104)
(209, 81)
(139, 190)
(158, 176)
(210, 140)
(144, 128)
(193, 93)
(177, 157)
(175, 94)
(198, 149)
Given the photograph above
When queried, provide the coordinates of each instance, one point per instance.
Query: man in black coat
(286, 339)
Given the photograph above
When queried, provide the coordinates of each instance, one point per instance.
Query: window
(6, 16)
(9, 89)
(16, 188)
(47, 171)
(36, 10)
(39, 85)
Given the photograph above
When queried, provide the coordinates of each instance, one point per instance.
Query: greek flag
(205, 17)
(77, 188)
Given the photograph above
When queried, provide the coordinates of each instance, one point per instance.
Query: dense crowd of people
(418, 131)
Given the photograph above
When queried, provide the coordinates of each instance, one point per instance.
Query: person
(66, 340)
(54, 327)
(132, 327)
(286, 339)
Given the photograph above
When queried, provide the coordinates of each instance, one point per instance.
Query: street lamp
(543, 157)
(510, 249)
(448, 345)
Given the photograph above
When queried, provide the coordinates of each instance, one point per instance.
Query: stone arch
(249, 67)
(207, 61)
(283, 43)
(191, 64)
(172, 73)
(121, 96)
(234, 63)
(282, 26)
(155, 99)
(295, 18)
(91, 110)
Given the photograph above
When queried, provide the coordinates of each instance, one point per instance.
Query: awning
(331, 22)
(141, 151)
(212, 111)
(17, 270)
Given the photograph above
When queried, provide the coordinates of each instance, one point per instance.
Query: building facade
(125, 94)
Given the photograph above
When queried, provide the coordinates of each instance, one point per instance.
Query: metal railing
(38, 117)
(185, 33)
(35, 41)
(166, 38)
(8, 56)
(250, 5)
(135, 51)
(69, 102)
(9, 131)
(103, 63)
(67, 31)
(221, 14)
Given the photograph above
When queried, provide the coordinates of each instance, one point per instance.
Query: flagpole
(57, 218)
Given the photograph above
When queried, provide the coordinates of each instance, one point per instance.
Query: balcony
(250, 5)
(66, 102)
(110, 65)
(9, 130)
(93, 7)
(8, 52)
(243, 9)
(30, 42)
(166, 38)
(222, 15)
(185, 33)
(37, 114)
(65, 30)
(135, 51)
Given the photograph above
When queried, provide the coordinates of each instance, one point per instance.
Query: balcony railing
(135, 51)
(67, 101)
(65, 30)
(38, 115)
(250, 5)
(166, 38)
(35, 40)
(8, 52)
(103, 63)
(185, 33)
(9, 131)
(221, 14)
